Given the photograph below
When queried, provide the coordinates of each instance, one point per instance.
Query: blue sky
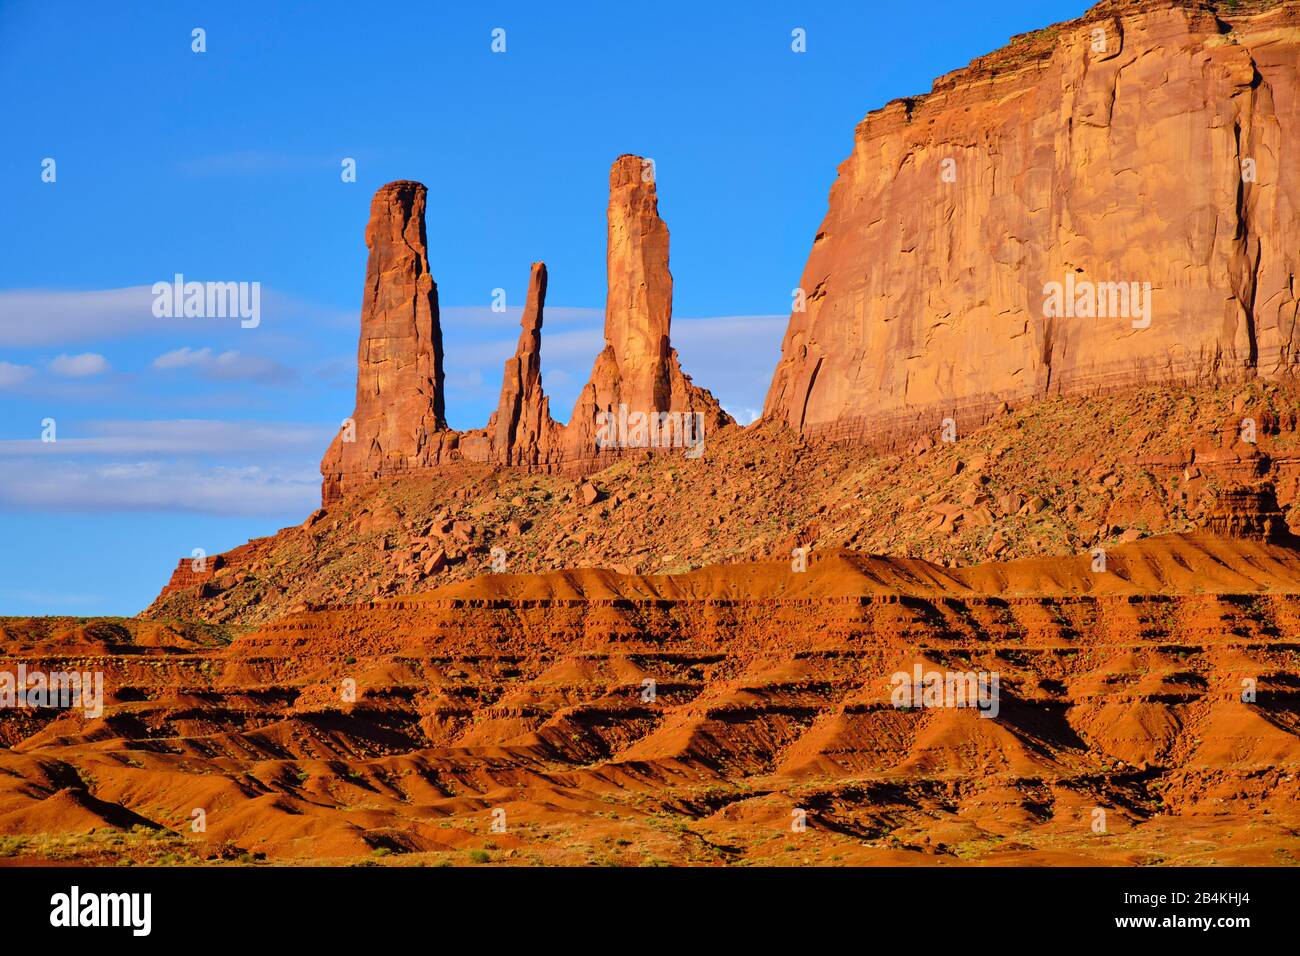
(224, 165)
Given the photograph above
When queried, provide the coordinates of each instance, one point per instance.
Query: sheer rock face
(398, 422)
(1247, 511)
(639, 300)
(638, 367)
(1144, 143)
(521, 430)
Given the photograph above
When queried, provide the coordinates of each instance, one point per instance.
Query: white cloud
(338, 372)
(743, 416)
(236, 367)
(470, 378)
(228, 366)
(79, 366)
(758, 335)
(36, 317)
(732, 356)
(49, 317)
(183, 358)
(159, 486)
(11, 375)
(260, 440)
(180, 465)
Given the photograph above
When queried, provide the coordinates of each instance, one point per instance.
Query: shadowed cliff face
(1144, 145)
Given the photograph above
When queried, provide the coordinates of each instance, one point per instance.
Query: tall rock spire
(521, 430)
(399, 421)
(638, 367)
(399, 426)
(639, 299)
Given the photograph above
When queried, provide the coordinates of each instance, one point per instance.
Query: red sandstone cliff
(1147, 142)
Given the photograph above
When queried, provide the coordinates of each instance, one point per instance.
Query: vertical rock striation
(399, 425)
(398, 422)
(638, 367)
(1145, 146)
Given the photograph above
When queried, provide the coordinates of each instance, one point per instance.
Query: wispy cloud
(50, 317)
(710, 333)
(732, 356)
(159, 486)
(177, 437)
(11, 374)
(181, 465)
(185, 357)
(228, 366)
(79, 366)
(744, 416)
(42, 317)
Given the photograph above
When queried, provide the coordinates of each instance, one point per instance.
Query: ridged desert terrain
(738, 713)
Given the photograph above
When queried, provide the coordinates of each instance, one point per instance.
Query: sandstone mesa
(1145, 142)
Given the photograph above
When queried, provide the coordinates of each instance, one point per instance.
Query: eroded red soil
(1121, 736)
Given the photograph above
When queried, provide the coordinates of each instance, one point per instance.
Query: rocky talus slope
(1061, 476)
